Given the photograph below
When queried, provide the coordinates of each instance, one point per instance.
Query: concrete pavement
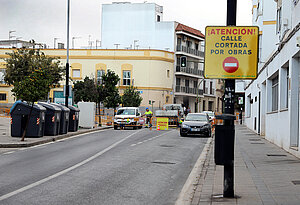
(6, 141)
(264, 174)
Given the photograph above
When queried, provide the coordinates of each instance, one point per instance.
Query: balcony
(190, 51)
(193, 71)
(188, 90)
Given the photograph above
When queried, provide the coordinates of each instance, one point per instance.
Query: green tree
(32, 74)
(85, 90)
(112, 97)
(131, 97)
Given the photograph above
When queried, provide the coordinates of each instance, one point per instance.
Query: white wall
(123, 23)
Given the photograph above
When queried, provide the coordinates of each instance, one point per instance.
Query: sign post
(230, 53)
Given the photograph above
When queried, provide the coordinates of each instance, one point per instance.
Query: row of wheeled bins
(47, 119)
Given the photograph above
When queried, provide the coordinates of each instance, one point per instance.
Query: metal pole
(67, 64)
(229, 107)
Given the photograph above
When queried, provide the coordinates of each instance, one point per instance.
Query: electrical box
(87, 114)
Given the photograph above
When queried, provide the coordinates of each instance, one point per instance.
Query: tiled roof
(190, 30)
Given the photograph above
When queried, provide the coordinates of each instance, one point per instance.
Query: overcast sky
(44, 20)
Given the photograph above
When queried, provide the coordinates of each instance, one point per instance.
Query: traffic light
(149, 102)
(197, 100)
(183, 61)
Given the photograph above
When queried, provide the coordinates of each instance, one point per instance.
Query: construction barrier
(4, 112)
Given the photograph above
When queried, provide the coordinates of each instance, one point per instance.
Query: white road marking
(30, 186)
(152, 138)
(230, 64)
(9, 152)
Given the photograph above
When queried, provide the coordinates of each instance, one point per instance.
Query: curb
(186, 195)
(52, 139)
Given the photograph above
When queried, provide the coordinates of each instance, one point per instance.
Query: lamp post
(73, 38)
(134, 41)
(67, 63)
(97, 43)
(9, 34)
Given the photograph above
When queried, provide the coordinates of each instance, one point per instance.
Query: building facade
(140, 25)
(134, 67)
(272, 100)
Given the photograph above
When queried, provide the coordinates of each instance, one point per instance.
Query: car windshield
(190, 117)
(210, 114)
(126, 112)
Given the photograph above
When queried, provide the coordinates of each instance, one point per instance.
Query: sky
(44, 20)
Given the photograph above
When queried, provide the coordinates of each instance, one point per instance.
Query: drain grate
(164, 145)
(257, 143)
(161, 162)
(296, 182)
(276, 155)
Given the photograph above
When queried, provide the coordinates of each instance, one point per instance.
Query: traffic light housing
(149, 102)
(183, 61)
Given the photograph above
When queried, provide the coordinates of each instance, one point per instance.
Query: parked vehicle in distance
(196, 124)
(128, 117)
(211, 116)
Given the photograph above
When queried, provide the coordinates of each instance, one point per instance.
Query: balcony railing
(190, 51)
(193, 71)
(210, 92)
(188, 90)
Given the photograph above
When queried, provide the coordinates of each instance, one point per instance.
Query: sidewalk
(6, 141)
(264, 174)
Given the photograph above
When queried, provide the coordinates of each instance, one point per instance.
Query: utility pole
(228, 190)
(67, 64)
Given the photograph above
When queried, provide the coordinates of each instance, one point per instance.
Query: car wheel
(115, 127)
(183, 134)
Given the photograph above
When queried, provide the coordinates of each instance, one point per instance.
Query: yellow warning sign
(231, 52)
(162, 123)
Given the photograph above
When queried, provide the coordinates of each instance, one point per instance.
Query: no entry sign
(231, 52)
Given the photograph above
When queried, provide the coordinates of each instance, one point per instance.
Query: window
(195, 84)
(76, 73)
(196, 46)
(189, 44)
(167, 99)
(203, 106)
(204, 86)
(210, 105)
(279, 19)
(2, 74)
(275, 93)
(287, 88)
(179, 41)
(2, 96)
(126, 77)
(100, 73)
(211, 88)
(168, 73)
(177, 81)
(187, 83)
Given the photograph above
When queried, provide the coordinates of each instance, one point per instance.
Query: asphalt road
(104, 167)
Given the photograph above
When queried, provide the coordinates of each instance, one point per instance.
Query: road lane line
(30, 186)
(9, 152)
(150, 139)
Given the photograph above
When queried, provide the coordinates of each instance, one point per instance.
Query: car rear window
(126, 112)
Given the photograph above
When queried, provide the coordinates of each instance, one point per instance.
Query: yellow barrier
(4, 112)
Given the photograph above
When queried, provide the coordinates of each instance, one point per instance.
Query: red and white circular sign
(230, 64)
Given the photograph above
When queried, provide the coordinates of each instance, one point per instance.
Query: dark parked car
(196, 124)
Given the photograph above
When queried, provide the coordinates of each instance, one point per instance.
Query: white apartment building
(272, 100)
(140, 26)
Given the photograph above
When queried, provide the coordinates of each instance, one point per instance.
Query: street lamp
(55, 39)
(134, 41)
(67, 63)
(97, 43)
(73, 38)
(10, 36)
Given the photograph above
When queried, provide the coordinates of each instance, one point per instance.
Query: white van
(128, 117)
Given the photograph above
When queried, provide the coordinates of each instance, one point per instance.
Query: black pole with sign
(228, 186)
